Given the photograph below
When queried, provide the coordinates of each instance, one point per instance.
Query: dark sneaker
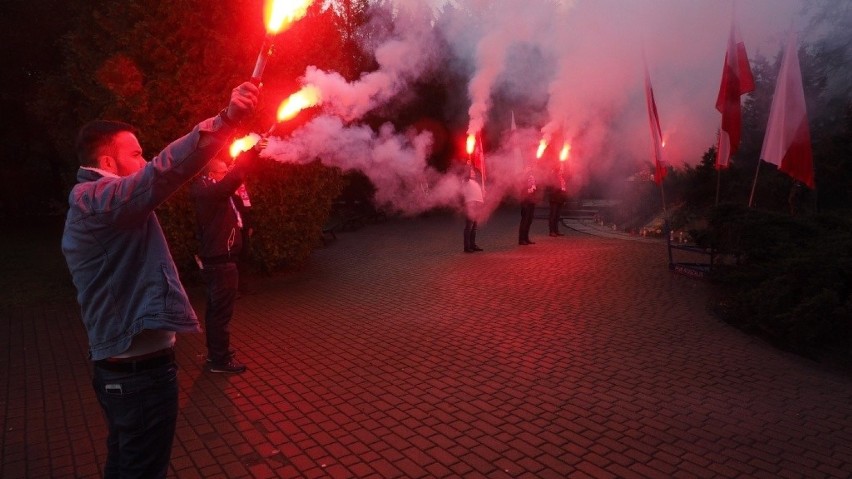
(229, 367)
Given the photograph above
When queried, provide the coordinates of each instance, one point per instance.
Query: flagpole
(718, 169)
(754, 184)
(718, 181)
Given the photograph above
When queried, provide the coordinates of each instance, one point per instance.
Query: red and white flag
(656, 132)
(737, 80)
(788, 139)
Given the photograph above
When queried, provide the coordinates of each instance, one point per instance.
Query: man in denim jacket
(131, 298)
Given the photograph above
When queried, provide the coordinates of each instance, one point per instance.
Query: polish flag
(656, 132)
(788, 139)
(737, 80)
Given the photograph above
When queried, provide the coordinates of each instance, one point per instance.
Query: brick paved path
(394, 354)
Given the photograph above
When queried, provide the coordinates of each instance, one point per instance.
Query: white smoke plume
(588, 91)
(395, 162)
(595, 96)
(402, 59)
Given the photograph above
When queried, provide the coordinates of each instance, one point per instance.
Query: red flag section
(737, 80)
(656, 132)
(788, 139)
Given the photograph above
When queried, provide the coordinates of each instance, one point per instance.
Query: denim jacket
(118, 257)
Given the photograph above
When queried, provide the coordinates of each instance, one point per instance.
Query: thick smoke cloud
(589, 92)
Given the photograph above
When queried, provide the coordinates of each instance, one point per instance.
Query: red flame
(566, 151)
(243, 144)
(471, 143)
(542, 145)
(305, 98)
(279, 14)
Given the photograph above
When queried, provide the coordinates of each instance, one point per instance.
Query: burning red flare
(542, 145)
(243, 144)
(279, 14)
(305, 98)
(566, 151)
(471, 143)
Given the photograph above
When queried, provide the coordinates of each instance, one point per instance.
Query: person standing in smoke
(557, 197)
(219, 225)
(473, 204)
(528, 201)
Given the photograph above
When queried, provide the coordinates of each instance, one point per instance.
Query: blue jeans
(141, 409)
(221, 281)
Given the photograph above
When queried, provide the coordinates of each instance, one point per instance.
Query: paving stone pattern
(393, 354)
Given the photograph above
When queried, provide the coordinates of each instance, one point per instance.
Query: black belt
(222, 259)
(153, 360)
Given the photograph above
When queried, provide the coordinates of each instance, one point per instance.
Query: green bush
(290, 205)
(791, 280)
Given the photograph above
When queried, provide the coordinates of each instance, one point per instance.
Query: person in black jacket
(558, 195)
(528, 201)
(219, 224)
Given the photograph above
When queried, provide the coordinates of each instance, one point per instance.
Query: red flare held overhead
(243, 144)
(278, 15)
(305, 98)
(471, 144)
(542, 145)
(566, 151)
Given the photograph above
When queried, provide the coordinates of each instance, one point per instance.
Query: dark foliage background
(787, 277)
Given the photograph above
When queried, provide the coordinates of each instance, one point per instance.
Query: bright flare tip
(243, 144)
(542, 145)
(566, 151)
(279, 14)
(305, 98)
(471, 143)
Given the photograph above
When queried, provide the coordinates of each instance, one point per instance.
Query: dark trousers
(553, 217)
(221, 281)
(244, 262)
(141, 409)
(469, 234)
(527, 212)
(473, 212)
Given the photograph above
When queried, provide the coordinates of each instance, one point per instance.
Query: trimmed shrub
(791, 280)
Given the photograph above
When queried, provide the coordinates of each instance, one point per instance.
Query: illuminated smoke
(402, 59)
(573, 72)
(395, 162)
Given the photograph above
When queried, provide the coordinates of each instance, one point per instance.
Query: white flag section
(788, 139)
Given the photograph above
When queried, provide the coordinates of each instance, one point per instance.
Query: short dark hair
(95, 135)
